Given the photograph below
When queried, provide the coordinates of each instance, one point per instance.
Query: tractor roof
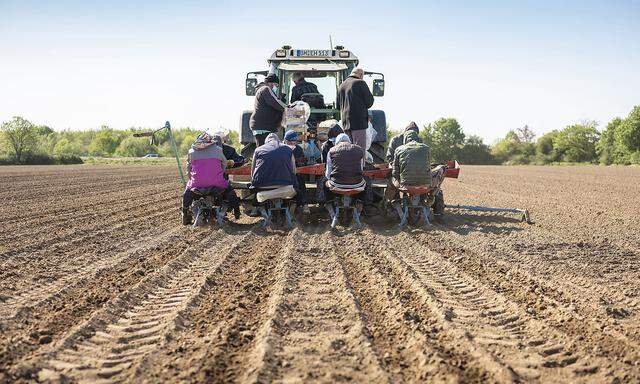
(336, 55)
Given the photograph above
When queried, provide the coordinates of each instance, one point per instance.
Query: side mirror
(378, 87)
(250, 87)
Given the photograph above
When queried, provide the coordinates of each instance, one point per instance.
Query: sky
(493, 65)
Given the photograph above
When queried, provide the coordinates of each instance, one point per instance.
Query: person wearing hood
(273, 165)
(334, 131)
(233, 158)
(205, 165)
(411, 165)
(354, 99)
(344, 168)
(398, 140)
(267, 110)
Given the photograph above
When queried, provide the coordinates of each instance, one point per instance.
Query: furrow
(111, 345)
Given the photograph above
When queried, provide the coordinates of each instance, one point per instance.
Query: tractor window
(326, 83)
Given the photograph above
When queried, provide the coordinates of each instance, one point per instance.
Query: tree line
(618, 143)
(22, 142)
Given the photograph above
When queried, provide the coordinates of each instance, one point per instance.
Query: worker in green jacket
(411, 166)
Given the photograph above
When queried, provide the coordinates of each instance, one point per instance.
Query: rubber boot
(186, 216)
(236, 211)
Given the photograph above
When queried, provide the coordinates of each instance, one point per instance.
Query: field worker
(206, 164)
(273, 165)
(412, 166)
(292, 140)
(301, 87)
(344, 167)
(398, 140)
(354, 99)
(230, 153)
(334, 131)
(267, 110)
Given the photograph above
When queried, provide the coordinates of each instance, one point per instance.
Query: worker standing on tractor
(292, 140)
(334, 131)
(301, 87)
(398, 140)
(206, 164)
(412, 166)
(267, 111)
(354, 99)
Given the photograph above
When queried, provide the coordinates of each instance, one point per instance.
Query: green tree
(134, 147)
(445, 137)
(577, 143)
(475, 151)
(66, 147)
(608, 149)
(20, 136)
(513, 150)
(628, 132)
(105, 142)
(545, 151)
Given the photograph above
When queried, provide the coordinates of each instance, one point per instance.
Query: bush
(577, 143)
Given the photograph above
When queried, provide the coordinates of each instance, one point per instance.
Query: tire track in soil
(40, 294)
(405, 332)
(114, 339)
(556, 304)
(315, 330)
(23, 335)
(525, 346)
(218, 338)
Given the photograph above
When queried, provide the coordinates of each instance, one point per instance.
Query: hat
(291, 135)
(272, 78)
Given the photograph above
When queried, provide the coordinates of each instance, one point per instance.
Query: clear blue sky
(492, 65)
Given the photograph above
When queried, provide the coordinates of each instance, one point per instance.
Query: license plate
(314, 53)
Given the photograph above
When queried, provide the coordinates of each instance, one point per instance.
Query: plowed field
(99, 282)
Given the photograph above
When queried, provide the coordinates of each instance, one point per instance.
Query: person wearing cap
(354, 100)
(398, 140)
(267, 111)
(205, 165)
(292, 139)
(334, 131)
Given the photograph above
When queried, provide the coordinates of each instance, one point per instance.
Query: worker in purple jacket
(206, 164)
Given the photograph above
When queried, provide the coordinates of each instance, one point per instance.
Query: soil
(99, 282)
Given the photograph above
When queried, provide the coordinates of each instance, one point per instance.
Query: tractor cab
(327, 69)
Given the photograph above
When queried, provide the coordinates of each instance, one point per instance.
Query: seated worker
(233, 158)
(205, 165)
(334, 131)
(301, 87)
(274, 165)
(344, 167)
(398, 140)
(412, 166)
(291, 139)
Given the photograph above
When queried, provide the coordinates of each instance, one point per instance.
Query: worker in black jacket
(302, 86)
(268, 110)
(334, 131)
(354, 99)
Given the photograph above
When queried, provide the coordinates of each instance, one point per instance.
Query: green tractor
(327, 68)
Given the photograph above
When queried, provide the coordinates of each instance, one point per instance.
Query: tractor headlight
(345, 54)
(281, 53)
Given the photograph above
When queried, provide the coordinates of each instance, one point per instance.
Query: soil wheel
(345, 217)
(438, 204)
(415, 217)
